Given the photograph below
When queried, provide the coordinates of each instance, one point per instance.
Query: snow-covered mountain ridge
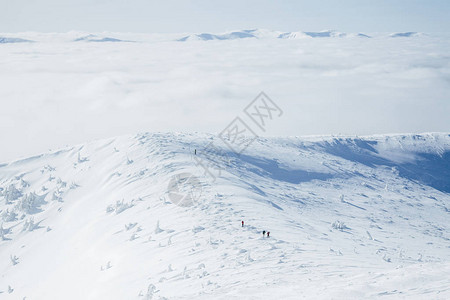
(350, 217)
(262, 34)
(270, 34)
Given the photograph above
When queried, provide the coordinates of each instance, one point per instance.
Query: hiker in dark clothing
(242, 223)
(268, 233)
(264, 233)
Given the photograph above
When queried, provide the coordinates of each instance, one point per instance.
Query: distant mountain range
(232, 35)
(261, 34)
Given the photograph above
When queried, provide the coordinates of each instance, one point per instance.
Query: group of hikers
(264, 232)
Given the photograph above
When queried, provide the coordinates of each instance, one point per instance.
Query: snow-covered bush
(110, 209)
(157, 228)
(8, 216)
(339, 225)
(62, 184)
(23, 183)
(30, 204)
(129, 161)
(48, 168)
(57, 196)
(29, 225)
(3, 232)
(11, 193)
(81, 159)
(130, 226)
(150, 291)
(74, 186)
(14, 260)
(119, 207)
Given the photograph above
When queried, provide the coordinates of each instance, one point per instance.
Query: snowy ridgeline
(27, 37)
(349, 218)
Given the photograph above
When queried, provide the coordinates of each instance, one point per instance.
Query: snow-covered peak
(405, 34)
(8, 40)
(264, 33)
(319, 34)
(96, 38)
(225, 36)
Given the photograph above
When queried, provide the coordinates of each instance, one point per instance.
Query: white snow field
(350, 218)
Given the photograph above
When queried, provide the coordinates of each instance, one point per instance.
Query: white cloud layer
(55, 91)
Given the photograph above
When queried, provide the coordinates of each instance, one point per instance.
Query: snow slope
(349, 218)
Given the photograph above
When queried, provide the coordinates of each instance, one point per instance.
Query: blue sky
(212, 15)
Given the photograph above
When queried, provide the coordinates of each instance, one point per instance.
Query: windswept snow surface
(349, 217)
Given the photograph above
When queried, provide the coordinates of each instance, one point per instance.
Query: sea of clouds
(57, 91)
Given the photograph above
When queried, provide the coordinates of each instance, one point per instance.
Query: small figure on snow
(195, 151)
(264, 233)
(242, 222)
(268, 233)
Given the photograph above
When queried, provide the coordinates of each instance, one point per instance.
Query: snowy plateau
(350, 218)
